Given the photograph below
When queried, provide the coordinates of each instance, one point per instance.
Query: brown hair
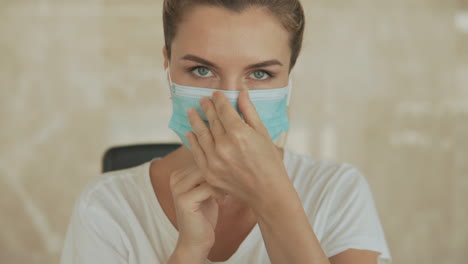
(289, 12)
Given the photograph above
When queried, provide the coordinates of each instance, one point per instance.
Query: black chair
(123, 157)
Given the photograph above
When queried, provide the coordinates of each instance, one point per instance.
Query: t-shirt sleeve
(353, 221)
(92, 237)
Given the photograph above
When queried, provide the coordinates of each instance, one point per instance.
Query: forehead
(220, 34)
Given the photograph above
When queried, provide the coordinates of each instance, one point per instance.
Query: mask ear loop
(168, 76)
(290, 85)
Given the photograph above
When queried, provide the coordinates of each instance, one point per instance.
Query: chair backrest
(123, 157)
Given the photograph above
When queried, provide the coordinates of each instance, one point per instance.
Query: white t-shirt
(118, 219)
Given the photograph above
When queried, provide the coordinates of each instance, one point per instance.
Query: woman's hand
(237, 156)
(196, 211)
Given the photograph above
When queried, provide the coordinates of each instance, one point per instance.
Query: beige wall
(380, 84)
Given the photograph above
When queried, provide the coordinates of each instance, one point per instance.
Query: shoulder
(98, 231)
(112, 190)
(106, 206)
(339, 203)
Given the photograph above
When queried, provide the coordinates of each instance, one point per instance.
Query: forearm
(286, 231)
(182, 255)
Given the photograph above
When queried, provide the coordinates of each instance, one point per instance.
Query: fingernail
(203, 101)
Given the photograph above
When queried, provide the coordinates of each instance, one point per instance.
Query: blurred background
(380, 84)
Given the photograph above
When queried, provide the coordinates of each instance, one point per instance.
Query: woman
(229, 194)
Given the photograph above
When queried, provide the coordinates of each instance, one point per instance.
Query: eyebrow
(267, 63)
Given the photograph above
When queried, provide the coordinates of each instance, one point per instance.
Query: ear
(166, 59)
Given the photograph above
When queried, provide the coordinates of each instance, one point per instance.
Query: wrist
(277, 200)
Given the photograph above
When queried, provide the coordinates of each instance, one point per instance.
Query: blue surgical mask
(271, 106)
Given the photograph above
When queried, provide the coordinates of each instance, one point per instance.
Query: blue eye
(202, 72)
(260, 75)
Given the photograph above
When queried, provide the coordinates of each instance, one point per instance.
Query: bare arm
(289, 238)
(355, 256)
(184, 255)
(286, 231)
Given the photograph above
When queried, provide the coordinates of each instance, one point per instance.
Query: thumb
(219, 196)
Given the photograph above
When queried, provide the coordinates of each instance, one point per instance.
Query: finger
(187, 183)
(229, 117)
(199, 194)
(219, 195)
(251, 117)
(184, 180)
(197, 151)
(216, 127)
(203, 133)
(178, 175)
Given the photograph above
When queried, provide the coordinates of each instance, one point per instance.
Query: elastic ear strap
(289, 91)
(168, 76)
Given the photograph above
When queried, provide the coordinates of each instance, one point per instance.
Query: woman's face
(219, 49)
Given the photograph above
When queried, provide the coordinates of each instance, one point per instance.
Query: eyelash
(191, 69)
